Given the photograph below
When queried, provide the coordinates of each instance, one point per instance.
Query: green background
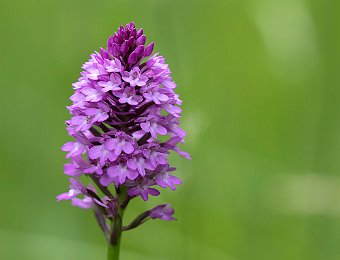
(260, 85)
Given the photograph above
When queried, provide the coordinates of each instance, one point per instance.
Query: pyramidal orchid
(124, 124)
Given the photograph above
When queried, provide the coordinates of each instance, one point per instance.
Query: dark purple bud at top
(117, 38)
(139, 51)
(149, 49)
(131, 41)
(110, 42)
(133, 33)
(124, 46)
(123, 34)
(139, 32)
(136, 54)
(132, 58)
(115, 50)
(113, 47)
(141, 40)
(131, 25)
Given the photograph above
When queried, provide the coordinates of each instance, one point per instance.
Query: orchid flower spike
(124, 124)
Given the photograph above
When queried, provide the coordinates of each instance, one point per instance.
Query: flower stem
(116, 231)
(114, 241)
(113, 251)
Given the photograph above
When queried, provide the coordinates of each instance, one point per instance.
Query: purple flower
(80, 123)
(163, 212)
(122, 142)
(88, 193)
(111, 205)
(143, 189)
(164, 179)
(78, 100)
(129, 96)
(73, 149)
(103, 152)
(124, 124)
(112, 83)
(171, 144)
(153, 128)
(140, 163)
(92, 71)
(92, 94)
(156, 96)
(113, 65)
(76, 167)
(134, 77)
(85, 203)
(157, 156)
(121, 171)
(76, 188)
(125, 121)
(97, 114)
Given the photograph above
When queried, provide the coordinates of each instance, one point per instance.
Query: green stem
(113, 252)
(116, 232)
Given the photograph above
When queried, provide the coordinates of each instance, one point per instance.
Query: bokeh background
(260, 83)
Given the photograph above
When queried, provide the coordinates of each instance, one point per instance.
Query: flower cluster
(125, 122)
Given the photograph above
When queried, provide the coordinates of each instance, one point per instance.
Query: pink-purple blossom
(165, 179)
(135, 77)
(143, 189)
(124, 121)
(163, 212)
(76, 189)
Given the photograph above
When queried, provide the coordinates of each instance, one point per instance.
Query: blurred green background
(260, 84)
